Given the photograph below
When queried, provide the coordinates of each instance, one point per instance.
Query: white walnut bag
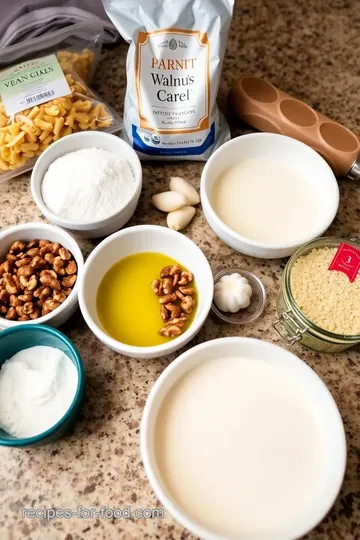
(173, 71)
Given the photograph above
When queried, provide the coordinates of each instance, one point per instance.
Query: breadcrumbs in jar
(326, 297)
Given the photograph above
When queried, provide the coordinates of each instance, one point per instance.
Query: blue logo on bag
(155, 138)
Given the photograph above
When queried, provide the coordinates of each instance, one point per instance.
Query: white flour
(87, 185)
(37, 387)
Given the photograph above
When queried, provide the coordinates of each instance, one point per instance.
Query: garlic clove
(221, 301)
(179, 219)
(232, 293)
(179, 185)
(168, 201)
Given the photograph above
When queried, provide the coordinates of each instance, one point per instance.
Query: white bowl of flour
(88, 183)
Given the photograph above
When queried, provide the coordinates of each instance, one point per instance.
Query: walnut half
(170, 331)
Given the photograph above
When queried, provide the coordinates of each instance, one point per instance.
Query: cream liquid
(266, 201)
(239, 449)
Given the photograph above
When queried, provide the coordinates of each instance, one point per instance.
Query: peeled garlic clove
(178, 219)
(168, 201)
(180, 185)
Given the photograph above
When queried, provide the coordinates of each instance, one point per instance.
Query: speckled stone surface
(309, 48)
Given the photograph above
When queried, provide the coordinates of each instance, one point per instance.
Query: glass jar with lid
(292, 325)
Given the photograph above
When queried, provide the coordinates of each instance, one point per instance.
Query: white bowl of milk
(241, 439)
(266, 194)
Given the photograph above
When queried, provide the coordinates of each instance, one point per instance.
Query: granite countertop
(309, 48)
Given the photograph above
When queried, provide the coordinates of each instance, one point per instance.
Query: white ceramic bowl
(292, 153)
(77, 141)
(44, 231)
(134, 240)
(316, 394)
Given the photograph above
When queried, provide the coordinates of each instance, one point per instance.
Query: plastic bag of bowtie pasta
(45, 94)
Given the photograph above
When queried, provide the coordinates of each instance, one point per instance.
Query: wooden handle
(266, 108)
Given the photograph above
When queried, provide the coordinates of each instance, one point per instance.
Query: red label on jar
(346, 260)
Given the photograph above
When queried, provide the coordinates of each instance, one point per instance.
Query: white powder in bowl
(37, 388)
(87, 185)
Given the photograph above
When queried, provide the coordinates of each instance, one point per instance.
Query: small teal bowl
(24, 336)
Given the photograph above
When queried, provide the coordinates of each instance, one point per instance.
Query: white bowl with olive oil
(115, 294)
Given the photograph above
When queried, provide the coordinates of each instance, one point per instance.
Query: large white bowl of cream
(266, 194)
(240, 439)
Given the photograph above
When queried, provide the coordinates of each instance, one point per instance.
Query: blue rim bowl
(22, 337)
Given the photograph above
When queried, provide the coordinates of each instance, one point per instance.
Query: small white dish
(308, 163)
(316, 396)
(145, 238)
(257, 300)
(77, 141)
(44, 231)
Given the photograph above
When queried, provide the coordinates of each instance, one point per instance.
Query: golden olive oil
(127, 307)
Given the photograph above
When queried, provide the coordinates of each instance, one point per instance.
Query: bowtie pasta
(27, 134)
